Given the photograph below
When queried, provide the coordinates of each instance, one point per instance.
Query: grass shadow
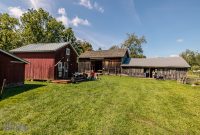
(9, 92)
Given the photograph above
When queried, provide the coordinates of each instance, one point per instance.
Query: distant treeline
(193, 58)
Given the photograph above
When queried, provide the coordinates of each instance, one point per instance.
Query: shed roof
(104, 53)
(13, 56)
(176, 62)
(40, 47)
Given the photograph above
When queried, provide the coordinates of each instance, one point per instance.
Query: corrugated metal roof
(40, 47)
(104, 53)
(177, 62)
(15, 57)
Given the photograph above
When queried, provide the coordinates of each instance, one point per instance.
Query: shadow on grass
(9, 92)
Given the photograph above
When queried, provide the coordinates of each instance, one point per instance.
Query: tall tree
(189, 56)
(193, 58)
(37, 26)
(9, 37)
(86, 46)
(54, 31)
(134, 44)
(198, 59)
(68, 35)
(83, 46)
(99, 49)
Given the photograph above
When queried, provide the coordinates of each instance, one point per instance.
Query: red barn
(12, 69)
(48, 61)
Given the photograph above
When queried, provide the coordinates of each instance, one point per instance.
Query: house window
(67, 51)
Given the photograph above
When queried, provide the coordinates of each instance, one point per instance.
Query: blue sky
(170, 26)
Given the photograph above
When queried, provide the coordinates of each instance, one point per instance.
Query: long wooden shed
(168, 67)
(48, 61)
(109, 61)
(11, 69)
(119, 61)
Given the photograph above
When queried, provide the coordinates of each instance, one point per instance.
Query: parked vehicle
(79, 77)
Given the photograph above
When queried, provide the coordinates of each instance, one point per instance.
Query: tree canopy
(9, 37)
(36, 26)
(193, 58)
(134, 44)
(83, 46)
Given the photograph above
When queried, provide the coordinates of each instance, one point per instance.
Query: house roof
(41, 47)
(104, 53)
(15, 57)
(177, 62)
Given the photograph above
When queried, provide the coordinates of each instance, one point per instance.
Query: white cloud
(174, 55)
(63, 19)
(88, 4)
(179, 40)
(99, 8)
(61, 11)
(45, 4)
(15, 11)
(78, 21)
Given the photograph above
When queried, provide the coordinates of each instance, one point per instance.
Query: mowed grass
(112, 105)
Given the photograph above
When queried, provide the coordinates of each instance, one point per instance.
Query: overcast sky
(170, 26)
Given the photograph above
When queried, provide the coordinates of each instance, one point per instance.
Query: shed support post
(149, 72)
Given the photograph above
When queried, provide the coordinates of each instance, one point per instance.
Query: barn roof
(41, 47)
(13, 56)
(104, 53)
(176, 62)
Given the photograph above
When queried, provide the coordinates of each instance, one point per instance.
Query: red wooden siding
(73, 65)
(41, 66)
(13, 72)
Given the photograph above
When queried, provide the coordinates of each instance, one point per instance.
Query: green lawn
(112, 105)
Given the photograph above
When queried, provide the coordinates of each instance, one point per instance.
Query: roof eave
(101, 57)
(13, 56)
(33, 51)
(155, 66)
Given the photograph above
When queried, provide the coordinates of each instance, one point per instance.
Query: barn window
(60, 66)
(67, 51)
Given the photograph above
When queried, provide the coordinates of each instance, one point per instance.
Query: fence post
(2, 88)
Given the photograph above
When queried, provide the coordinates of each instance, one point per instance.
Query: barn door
(66, 72)
(60, 69)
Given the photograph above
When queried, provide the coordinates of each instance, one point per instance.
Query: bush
(197, 83)
(196, 67)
